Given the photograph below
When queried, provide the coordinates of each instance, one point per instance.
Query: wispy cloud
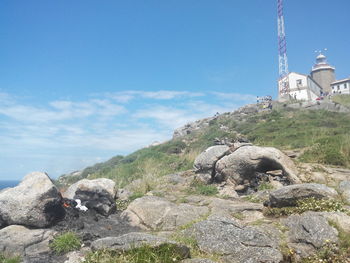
(66, 131)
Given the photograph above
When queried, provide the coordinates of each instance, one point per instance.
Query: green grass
(166, 253)
(342, 99)
(9, 259)
(199, 188)
(65, 242)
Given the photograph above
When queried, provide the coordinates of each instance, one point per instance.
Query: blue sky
(82, 81)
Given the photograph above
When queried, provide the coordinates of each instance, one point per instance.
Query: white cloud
(235, 96)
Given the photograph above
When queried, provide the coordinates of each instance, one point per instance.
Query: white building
(341, 86)
(300, 87)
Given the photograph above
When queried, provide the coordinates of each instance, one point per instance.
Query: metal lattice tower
(282, 51)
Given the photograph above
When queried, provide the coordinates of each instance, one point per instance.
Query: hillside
(319, 136)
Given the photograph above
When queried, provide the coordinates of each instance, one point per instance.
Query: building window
(345, 85)
(299, 82)
(338, 87)
(333, 87)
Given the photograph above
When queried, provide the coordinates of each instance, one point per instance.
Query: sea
(8, 183)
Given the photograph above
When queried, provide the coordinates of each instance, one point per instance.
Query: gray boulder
(197, 260)
(34, 202)
(241, 165)
(236, 242)
(27, 243)
(134, 240)
(344, 189)
(309, 232)
(205, 162)
(155, 213)
(289, 195)
(98, 194)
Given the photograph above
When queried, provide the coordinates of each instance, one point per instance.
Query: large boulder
(205, 162)
(134, 240)
(289, 195)
(236, 242)
(155, 213)
(35, 202)
(243, 164)
(98, 194)
(30, 244)
(309, 232)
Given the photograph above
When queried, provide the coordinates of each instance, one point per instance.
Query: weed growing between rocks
(265, 186)
(166, 253)
(307, 204)
(65, 242)
(252, 199)
(197, 187)
(329, 253)
(122, 204)
(9, 259)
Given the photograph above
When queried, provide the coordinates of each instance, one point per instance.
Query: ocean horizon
(8, 183)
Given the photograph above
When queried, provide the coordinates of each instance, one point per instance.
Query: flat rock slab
(155, 213)
(198, 260)
(289, 195)
(344, 189)
(35, 202)
(134, 240)
(237, 243)
(308, 232)
(28, 243)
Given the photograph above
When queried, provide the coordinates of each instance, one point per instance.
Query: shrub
(65, 242)
(9, 259)
(307, 204)
(166, 253)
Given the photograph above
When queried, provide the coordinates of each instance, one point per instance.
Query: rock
(341, 219)
(243, 164)
(289, 195)
(228, 191)
(123, 194)
(237, 243)
(155, 213)
(205, 162)
(34, 202)
(134, 240)
(27, 243)
(308, 232)
(77, 256)
(344, 189)
(98, 194)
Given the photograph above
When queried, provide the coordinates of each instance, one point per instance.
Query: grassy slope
(324, 135)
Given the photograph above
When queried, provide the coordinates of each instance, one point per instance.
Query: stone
(344, 189)
(308, 232)
(341, 219)
(35, 202)
(205, 162)
(27, 243)
(123, 194)
(98, 194)
(289, 195)
(228, 191)
(243, 164)
(134, 240)
(155, 213)
(236, 242)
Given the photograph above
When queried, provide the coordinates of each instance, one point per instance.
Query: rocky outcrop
(27, 243)
(155, 213)
(289, 195)
(308, 232)
(237, 243)
(197, 260)
(98, 194)
(35, 202)
(242, 165)
(134, 240)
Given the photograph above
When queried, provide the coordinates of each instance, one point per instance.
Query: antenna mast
(283, 82)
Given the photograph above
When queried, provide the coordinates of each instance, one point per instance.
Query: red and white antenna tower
(283, 82)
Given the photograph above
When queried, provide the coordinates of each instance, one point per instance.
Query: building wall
(324, 78)
(341, 88)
